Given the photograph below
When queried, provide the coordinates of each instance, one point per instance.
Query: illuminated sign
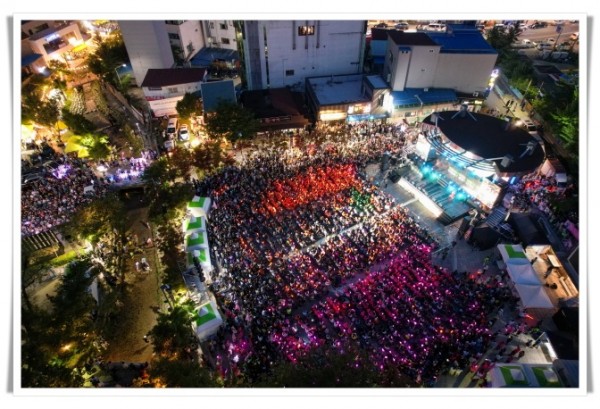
(332, 116)
(52, 37)
(487, 193)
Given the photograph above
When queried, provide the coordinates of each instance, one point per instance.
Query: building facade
(284, 53)
(163, 88)
(220, 34)
(186, 38)
(148, 46)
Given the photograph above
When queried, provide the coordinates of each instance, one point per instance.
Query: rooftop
(216, 91)
(340, 89)
(403, 38)
(414, 96)
(206, 56)
(380, 34)
(163, 77)
(268, 103)
(46, 32)
(462, 41)
(376, 82)
(488, 137)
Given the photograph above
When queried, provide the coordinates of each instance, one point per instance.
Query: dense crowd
(52, 199)
(311, 254)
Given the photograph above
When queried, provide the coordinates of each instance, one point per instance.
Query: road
(543, 34)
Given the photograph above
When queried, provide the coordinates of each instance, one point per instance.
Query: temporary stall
(196, 240)
(521, 272)
(534, 297)
(511, 251)
(207, 320)
(524, 376)
(199, 206)
(193, 223)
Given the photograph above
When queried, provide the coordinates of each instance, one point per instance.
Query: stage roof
(488, 137)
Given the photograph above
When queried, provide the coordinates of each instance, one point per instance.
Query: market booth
(524, 376)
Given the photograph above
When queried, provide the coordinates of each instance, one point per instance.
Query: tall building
(285, 53)
(148, 46)
(219, 34)
(186, 38)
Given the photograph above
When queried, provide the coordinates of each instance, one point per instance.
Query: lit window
(306, 30)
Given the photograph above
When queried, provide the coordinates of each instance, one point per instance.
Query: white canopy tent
(207, 320)
(193, 223)
(199, 206)
(533, 296)
(511, 252)
(521, 272)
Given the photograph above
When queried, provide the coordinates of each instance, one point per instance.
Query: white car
(184, 134)
(169, 145)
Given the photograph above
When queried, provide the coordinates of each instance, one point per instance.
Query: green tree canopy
(98, 218)
(181, 373)
(77, 123)
(231, 121)
(211, 156)
(189, 105)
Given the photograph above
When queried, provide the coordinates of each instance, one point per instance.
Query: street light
(117, 71)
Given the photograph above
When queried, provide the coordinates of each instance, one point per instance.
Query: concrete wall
(70, 31)
(218, 33)
(464, 72)
(423, 66)
(334, 48)
(191, 37)
(171, 90)
(148, 46)
(397, 63)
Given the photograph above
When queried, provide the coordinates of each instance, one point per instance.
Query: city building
(55, 42)
(186, 38)
(163, 88)
(148, 46)
(436, 71)
(347, 97)
(219, 34)
(277, 109)
(280, 53)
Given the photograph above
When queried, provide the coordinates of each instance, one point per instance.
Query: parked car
(575, 36)
(184, 134)
(401, 26)
(381, 25)
(169, 145)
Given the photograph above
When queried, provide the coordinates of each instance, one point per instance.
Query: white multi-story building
(53, 42)
(219, 34)
(285, 53)
(186, 37)
(460, 60)
(148, 46)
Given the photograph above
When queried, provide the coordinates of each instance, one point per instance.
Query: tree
(109, 54)
(180, 374)
(77, 123)
(181, 160)
(189, 105)
(172, 334)
(48, 113)
(97, 219)
(232, 122)
(210, 157)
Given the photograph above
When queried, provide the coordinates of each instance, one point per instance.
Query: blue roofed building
(436, 71)
(215, 92)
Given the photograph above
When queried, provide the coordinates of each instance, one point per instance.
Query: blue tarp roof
(214, 92)
(30, 59)
(206, 56)
(463, 42)
(378, 47)
(432, 96)
(376, 81)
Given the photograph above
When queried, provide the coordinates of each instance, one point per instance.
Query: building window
(225, 40)
(289, 73)
(223, 26)
(306, 30)
(172, 90)
(391, 57)
(212, 25)
(174, 22)
(173, 36)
